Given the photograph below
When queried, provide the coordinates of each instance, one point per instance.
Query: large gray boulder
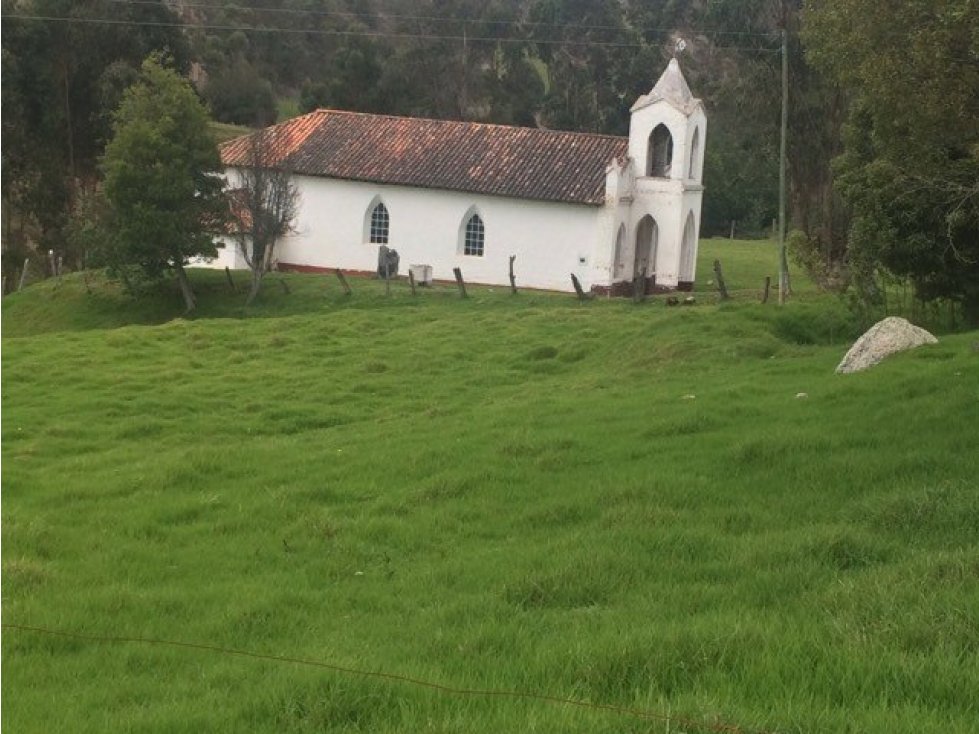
(388, 262)
(884, 338)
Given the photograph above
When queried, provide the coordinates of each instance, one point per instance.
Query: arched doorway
(688, 254)
(644, 265)
(619, 268)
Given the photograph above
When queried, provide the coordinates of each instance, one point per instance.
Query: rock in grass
(884, 338)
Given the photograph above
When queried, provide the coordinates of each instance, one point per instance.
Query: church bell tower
(660, 221)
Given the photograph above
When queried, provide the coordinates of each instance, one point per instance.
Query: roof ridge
(461, 122)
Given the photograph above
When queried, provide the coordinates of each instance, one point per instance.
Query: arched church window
(694, 153)
(660, 154)
(380, 224)
(474, 237)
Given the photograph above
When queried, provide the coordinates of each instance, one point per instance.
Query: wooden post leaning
(460, 282)
(343, 282)
(720, 281)
(582, 296)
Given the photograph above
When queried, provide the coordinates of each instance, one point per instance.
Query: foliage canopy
(162, 177)
(910, 167)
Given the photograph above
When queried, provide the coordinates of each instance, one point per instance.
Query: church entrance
(688, 252)
(644, 267)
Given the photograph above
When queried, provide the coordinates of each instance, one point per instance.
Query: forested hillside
(567, 64)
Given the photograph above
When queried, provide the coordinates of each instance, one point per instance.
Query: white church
(446, 194)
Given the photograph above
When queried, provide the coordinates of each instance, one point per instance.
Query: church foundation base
(625, 289)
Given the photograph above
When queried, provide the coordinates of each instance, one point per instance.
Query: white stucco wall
(228, 256)
(549, 239)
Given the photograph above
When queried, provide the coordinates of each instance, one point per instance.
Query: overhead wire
(462, 38)
(446, 19)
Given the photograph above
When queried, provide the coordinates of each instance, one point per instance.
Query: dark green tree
(163, 178)
(62, 76)
(910, 167)
(237, 94)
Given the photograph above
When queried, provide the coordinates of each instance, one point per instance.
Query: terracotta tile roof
(520, 162)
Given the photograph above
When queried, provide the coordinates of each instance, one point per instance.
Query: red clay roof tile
(525, 163)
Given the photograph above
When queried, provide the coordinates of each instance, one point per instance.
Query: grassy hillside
(78, 302)
(225, 131)
(629, 506)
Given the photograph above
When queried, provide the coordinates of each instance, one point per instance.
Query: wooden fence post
(231, 281)
(411, 281)
(768, 285)
(582, 296)
(720, 280)
(343, 282)
(459, 281)
(513, 278)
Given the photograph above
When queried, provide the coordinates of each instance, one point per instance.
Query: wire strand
(347, 33)
(447, 19)
(718, 727)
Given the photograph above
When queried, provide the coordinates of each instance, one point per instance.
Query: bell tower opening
(659, 158)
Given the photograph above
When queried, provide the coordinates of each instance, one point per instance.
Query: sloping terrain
(682, 511)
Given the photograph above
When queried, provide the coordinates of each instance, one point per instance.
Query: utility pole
(783, 263)
(464, 91)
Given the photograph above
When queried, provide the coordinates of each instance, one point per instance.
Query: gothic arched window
(694, 153)
(474, 236)
(380, 224)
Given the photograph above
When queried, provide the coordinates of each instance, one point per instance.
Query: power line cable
(348, 33)
(445, 19)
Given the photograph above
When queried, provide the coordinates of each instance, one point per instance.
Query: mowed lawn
(681, 511)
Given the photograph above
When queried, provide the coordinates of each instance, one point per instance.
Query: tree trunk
(260, 266)
(256, 286)
(185, 289)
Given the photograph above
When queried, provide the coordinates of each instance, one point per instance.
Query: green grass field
(617, 504)
(223, 131)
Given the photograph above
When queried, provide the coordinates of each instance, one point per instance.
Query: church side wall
(228, 256)
(426, 227)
